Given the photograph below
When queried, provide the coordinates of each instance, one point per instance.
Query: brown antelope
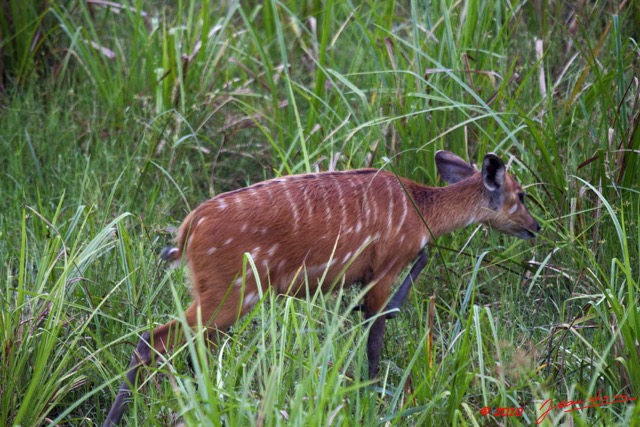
(361, 226)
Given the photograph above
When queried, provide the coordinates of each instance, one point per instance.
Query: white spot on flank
(222, 205)
(367, 241)
(343, 208)
(294, 208)
(312, 270)
(272, 250)
(328, 264)
(365, 207)
(424, 241)
(254, 253)
(404, 215)
(319, 269)
(250, 299)
(308, 204)
(472, 220)
(327, 212)
(200, 221)
(359, 227)
(248, 274)
(346, 258)
(243, 228)
(513, 209)
(390, 215)
(229, 240)
(212, 250)
(373, 208)
(390, 226)
(189, 242)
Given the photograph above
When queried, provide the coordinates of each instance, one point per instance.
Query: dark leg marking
(374, 345)
(403, 290)
(141, 356)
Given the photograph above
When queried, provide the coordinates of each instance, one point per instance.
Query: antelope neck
(446, 209)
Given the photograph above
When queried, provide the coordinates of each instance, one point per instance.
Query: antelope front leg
(376, 333)
(374, 303)
(394, 305)
(374, 345)
(403, 290)
(143, 355)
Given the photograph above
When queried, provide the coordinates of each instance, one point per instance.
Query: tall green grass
(117, 119)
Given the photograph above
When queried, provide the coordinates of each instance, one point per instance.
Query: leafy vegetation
(118, 117)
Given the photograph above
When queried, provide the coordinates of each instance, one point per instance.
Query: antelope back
(313, 226)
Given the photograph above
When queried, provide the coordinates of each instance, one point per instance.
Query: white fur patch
(343, 208)
(250, 299)
(272, 250)
(404, 216)
(294, 208)
(171, 252)
(390, 216)
(319, 269)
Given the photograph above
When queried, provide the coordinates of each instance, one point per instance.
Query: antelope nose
(536, 226)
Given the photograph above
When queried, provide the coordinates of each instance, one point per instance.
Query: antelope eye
(521, 196)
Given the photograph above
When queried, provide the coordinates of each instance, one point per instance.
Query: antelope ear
(493, 172)
(452, 168)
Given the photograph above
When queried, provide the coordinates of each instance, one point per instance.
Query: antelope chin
(525, 234)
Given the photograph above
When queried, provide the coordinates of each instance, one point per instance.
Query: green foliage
(26, 37)
(118, 117)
